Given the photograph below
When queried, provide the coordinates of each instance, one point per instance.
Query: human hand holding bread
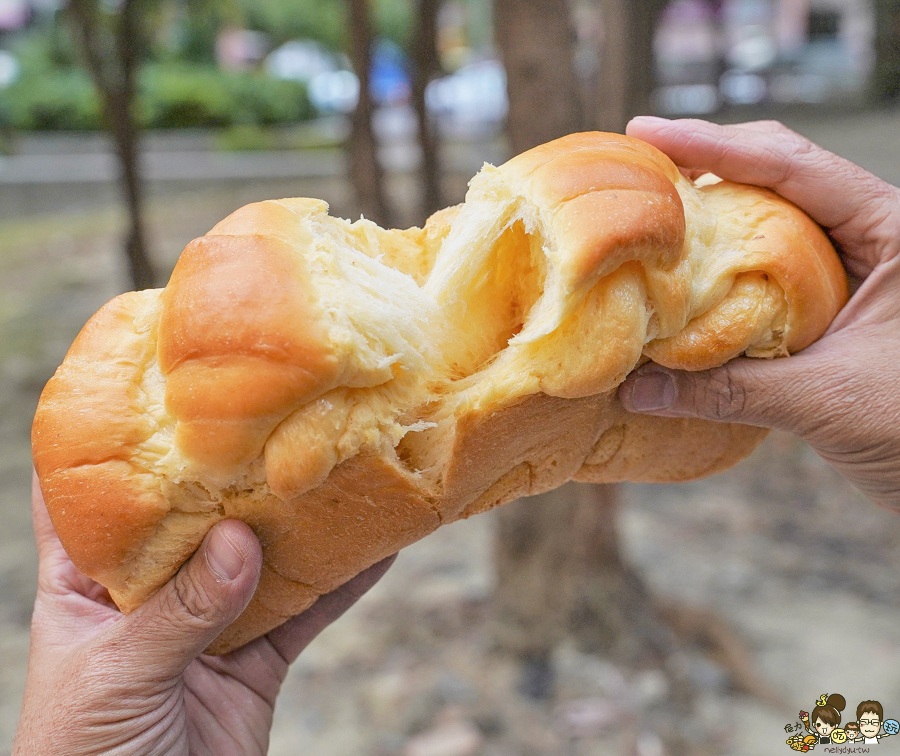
(735, 442)
(839, 394)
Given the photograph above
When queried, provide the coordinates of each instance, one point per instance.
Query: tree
(626, 61)
(111, 44)
(536, 42)
(560, 572)
(366, 174)
(885, 85)
(559, 568)
(426, 65)
(534, 593)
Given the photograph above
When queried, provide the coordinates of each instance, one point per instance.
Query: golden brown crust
(276, 600)
(241, 344)
(345, 389)
(642, 448)
(86, 430)
(788, 245)
(488, 445)
(643, 217)
(365, 511)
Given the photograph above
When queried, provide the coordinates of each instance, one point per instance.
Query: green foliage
(51, 93)
(265, 101)
(323, 20)
(187, 31)
(46, 46)
(172, 96)
(181, 96)
(60, 99)
(393, 19)
(284, 20)
(179, 82)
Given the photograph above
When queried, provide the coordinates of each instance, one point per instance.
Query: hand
(840, 394)
(100, 682)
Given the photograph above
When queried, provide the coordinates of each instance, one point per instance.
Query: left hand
(839, 394)
(100, 682)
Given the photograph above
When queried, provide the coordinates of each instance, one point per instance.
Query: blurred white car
(473, 97)
(9, 69)
(334, 91)
(300, 60)
(331, 87)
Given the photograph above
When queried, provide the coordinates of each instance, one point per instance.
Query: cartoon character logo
(870, 716)
(824, 724)
(825, 717)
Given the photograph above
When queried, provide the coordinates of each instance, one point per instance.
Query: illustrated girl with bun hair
(825, 717)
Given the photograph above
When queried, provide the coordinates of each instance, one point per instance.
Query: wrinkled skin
(840, 394)
(100, 682)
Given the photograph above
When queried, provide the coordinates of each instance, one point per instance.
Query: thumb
(165, 634)
(766, 393)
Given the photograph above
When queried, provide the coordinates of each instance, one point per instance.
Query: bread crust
(345, 389)
(103, 505)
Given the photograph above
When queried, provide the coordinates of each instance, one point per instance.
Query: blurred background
(640, 620)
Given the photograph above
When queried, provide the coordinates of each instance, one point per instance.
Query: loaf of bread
(346, 389)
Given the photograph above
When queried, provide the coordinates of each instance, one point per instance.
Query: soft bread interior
(458, 327)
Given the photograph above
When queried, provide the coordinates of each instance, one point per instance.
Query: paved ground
(802, 566)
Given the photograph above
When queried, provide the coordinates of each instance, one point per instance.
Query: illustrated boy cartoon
(870, 716)
(852, 731)
(825, 717)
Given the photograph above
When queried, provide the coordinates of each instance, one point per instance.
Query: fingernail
(223, 558)
(652, 392)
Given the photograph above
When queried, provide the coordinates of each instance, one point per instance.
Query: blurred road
(49, 172)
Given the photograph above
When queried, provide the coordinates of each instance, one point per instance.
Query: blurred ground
(804, 568)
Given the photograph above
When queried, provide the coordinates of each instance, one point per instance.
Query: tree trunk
(365, 170)
(541, 541)
(627, 74)
(536, 42)
(611, 611)
(125, 135)
(426, 67)
(112, 59)
(560, 571)
(885, 86)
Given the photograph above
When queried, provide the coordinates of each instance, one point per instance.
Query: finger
(779, 394)
(836, 193)
(161, 637)
(296, 634)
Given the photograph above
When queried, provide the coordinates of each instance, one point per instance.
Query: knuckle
(720, 397)
(189, 603)
(792, 154)
(884, 211)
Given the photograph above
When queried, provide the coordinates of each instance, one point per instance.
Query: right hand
(840, 394)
